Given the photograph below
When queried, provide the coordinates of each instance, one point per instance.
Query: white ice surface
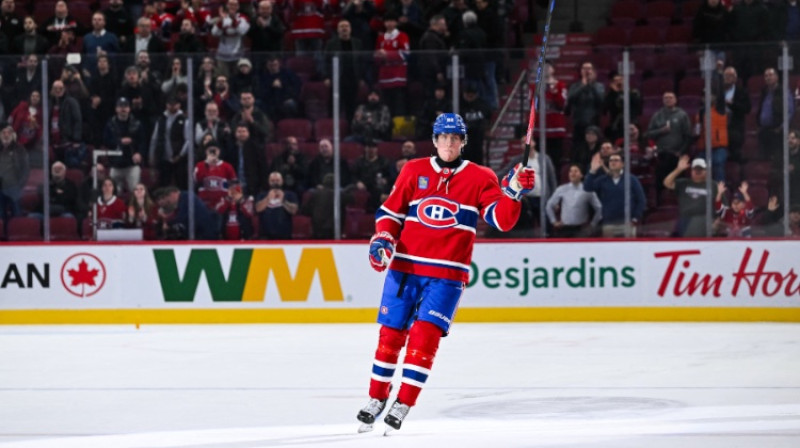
(637, 385)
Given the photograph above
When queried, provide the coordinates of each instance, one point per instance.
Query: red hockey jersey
(736, 224)
(308, 22)
(235, 215)
(394, 67)
(556, 103)
(212, 181)
(433, 212)
(110, 214)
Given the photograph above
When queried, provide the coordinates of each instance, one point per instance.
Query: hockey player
(439, 199)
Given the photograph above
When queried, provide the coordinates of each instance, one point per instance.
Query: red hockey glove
(381, 249)
(520, 180)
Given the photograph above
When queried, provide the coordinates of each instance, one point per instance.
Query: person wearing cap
(735, 218)
(692, 193)
(173, 216)
(391, 56)
(477, 114)
(127, 134)
(169, 145)
(243, 78)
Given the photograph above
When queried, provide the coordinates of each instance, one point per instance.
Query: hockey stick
(539, 70)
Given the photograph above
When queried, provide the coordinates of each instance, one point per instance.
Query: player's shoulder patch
(422, 182)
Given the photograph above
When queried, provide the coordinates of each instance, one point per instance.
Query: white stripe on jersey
(431, 260)
(394, 214)
(382, 379)
(389, 217)
(384, 365)
(413, 382)
(458, 226)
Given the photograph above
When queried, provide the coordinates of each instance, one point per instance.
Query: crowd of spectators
(668, 131)
(117, 79)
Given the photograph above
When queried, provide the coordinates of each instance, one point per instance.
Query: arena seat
(323, 128)
(301, 227)
(297, 127)
(64, 229)
(24, 229)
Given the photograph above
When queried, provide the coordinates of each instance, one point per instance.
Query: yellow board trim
(368, 315)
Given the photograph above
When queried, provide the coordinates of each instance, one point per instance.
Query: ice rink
(493, 385)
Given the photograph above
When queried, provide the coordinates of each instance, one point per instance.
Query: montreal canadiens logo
(83, 275)
(438, 213)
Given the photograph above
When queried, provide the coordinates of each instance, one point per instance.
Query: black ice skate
(369, 413)
(397, 413)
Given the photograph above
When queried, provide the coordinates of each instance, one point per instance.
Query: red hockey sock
(390, 342)
(423, 342)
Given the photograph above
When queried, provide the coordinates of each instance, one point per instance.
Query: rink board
(509, 282)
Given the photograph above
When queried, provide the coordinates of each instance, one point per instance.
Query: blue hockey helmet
(450, 123)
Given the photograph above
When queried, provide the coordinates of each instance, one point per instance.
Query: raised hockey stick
(539, 70)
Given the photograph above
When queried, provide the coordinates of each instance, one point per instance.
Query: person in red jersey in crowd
(110, 209)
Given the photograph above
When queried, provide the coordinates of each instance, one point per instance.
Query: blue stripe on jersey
(488, 215)
(414, 375)
(430, 263)
(382, 371)
(381, 213)
(464, 217)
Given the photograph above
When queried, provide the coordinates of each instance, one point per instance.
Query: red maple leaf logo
(83, 276)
